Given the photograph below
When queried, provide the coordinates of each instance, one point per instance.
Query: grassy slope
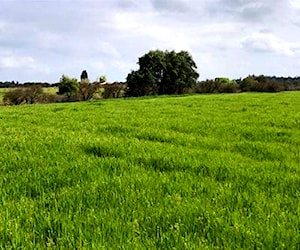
(187, 172)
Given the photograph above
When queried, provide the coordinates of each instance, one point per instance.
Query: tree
(163, 72)
(102, 79)
(113, 90)
(24, 95)
(84, 75)
(87, 90)
(68, 86)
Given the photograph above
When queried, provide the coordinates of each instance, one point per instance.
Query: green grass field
(193, 172)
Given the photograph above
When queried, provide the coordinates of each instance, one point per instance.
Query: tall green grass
(194, 172)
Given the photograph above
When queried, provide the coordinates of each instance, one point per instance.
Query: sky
(40, 40)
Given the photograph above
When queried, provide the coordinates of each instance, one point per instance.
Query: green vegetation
(2, 93)
(163, 73)
(159, 73)
(192, 172)
(48, 90)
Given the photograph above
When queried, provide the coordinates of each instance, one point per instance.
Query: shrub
(114, 90)
(219, 85)
(208, 86)
(261, 84)
(69, 87)
(87, 90)
(27, 95)
(14, 97)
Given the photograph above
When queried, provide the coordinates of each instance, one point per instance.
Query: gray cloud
(172, 5)
(126, 4)
(41, 40)
(248, 10)
(267, 42)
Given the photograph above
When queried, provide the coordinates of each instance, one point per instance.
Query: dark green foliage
(141, 84)
(28, 95)
(68, 86)
(114, 90)
(250, 83)
(84, 75)
(8, 84)
(34, 94)
(14, 97)
(87, 90)
(227, 86)
(163, 72)
(102, 79)
(261, 84)
(219, 85)
(208, 86)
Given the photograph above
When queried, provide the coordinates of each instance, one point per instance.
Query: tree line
(159, 73)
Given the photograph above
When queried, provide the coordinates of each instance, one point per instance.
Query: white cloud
(49, 40)
(171, 5)
(46, 39)
(2, 27)
(106, 48)
(295, 3)
(267, 42)
(12, 61)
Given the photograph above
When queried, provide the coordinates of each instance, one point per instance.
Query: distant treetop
(84, 75)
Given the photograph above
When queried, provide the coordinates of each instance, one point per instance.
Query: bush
(30, 95)
(219, 85)
(114, 90)
(14, 97)
(53, 98)
(69, 87)
(87, 90)
(27, 95)
(261, 84)
(208, 86)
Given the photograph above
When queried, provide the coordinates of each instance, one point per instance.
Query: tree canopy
(68, 86)
(84, 75)
(163, 72)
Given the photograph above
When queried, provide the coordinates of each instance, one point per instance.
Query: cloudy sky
(42, 39)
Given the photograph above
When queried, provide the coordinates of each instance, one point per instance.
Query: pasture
(192, 172)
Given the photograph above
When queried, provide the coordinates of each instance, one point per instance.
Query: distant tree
(102, 79)
(34, 94)
(68, 86)
(84, 75)
(219, 85)
(87, 90)
(263, 84)
(113, 90)
(226, 85)
(163, 72)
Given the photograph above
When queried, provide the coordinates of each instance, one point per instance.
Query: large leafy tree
(163, 72)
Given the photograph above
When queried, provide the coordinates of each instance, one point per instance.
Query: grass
(194, 172)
